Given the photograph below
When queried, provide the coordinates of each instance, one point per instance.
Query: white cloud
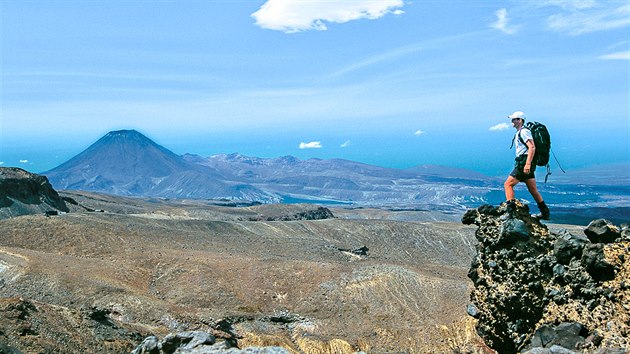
(23, 161)
(586, 19)
(292, 16)
(502, 23)
(1, 162)
(616, 56)
(418, 132)
(311, 145)
(346, 144)
(500, 126)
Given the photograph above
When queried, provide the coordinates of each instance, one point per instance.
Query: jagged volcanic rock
(196, 342)
(538, 289)
(318, 213)
(22, 193)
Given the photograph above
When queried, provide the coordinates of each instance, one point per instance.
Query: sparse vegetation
(159, 267)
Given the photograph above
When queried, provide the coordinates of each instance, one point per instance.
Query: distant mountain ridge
(125, 162)
(125, 152)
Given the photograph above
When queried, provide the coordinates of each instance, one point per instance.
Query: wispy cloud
(571, 4)
(345, 144)
(500, 126)
(503, 22)
(399, 52)
(616, 56)
(291, 16)
(23, 161)
(586, 17)
(376, 59)
(1, 162)
(311, 145)
(418, 132)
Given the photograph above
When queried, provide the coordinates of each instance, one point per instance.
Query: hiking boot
(541, 216)
(544, 212)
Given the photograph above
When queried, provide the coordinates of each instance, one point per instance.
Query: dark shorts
(519, 164)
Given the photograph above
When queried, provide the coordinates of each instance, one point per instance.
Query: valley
(159, 266)
(85, 271)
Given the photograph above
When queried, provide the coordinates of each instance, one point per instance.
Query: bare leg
(533, 190)
(508, 185)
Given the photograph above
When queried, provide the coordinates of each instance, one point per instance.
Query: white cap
(517, 114)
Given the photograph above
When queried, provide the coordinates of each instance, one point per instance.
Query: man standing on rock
(523, 165)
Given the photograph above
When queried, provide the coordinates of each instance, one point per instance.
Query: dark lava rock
(544, 291)
(470, 216)
(514, 230)
(602, 231)
(318, 214)
(488, 209)
(566, 335)
(359, 251)
(568, 247)
(594, 261)
(508, 257)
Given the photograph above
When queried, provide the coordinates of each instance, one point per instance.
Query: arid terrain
(87, 272)
(115, 270)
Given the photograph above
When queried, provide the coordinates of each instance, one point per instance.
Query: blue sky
(393, 83)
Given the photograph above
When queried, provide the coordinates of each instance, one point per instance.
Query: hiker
(524, 166)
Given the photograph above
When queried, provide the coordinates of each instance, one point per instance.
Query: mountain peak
(119, 157)
(124, 133)
(127, 136)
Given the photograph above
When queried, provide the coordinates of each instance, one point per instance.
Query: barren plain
(102, 280)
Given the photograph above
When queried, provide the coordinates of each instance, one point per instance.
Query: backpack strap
(520, 138)
(548, 173)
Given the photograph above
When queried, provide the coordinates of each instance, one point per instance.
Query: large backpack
(542, 140)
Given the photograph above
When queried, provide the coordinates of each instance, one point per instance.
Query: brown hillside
(105, 280)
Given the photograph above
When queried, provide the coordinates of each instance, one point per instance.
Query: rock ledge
(538, 291)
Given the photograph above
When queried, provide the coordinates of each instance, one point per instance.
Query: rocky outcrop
(29, 326)
(196, 342)
(22, 192)
(538, 291)
(312, 213)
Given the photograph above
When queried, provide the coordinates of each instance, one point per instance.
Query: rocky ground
(549, 291)
(114, 271)
(92, 273)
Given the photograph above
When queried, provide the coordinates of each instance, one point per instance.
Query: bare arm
(530, 155)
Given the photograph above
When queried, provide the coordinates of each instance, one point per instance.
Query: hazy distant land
(128, 163)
